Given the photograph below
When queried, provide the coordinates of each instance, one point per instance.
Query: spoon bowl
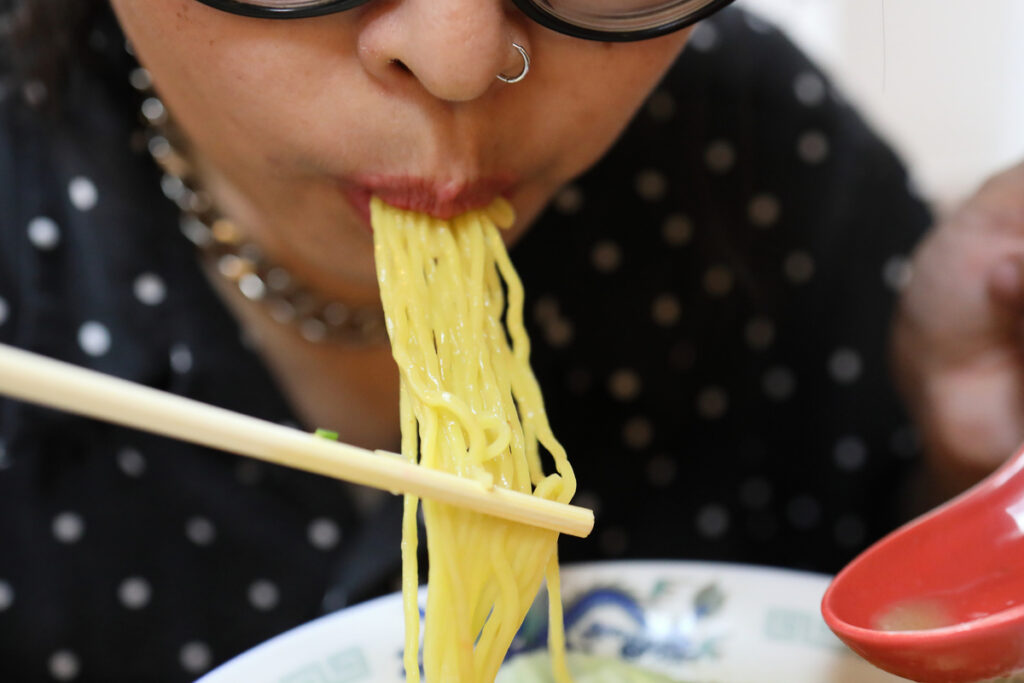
(941, 599)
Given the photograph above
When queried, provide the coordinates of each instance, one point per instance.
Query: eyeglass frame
(527, 7)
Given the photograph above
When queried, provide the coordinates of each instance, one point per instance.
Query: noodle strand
(469, 405)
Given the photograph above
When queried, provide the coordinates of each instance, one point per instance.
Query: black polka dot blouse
(709, 309)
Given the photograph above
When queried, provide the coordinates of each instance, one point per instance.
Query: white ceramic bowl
(697, 621)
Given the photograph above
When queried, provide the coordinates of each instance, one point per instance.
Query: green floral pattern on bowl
(693, 621)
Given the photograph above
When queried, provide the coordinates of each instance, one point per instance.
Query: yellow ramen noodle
(470, 405)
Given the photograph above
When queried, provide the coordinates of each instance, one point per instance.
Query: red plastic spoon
(941, 600)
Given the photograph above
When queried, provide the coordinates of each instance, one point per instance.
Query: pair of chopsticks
(55, 384)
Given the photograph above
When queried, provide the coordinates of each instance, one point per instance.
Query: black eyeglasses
(606, 20)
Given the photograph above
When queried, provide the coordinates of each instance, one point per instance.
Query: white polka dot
(83, 193)
(558, 333)
(813, 147)
(799, 267)
(845, 365)
(712, 403)
(897, 272)
(324, 533)
(614, 541)
(661, 105)
(195, 657)
(131, 462)
(63, 665)
(569, 200)
(850, 453)
(181, 359)
(43, 233)
(809, 88)
(677, 230)
(624, 384)
(760, 333)
(4, 310)
(712, 521)
(6, 595)
(661, 470)
(606, 256)
(665, 310)
(779, 383)
(755, 492)
(849, 531)
(763, 210)
(263, 595)
(803, 512)
(704, 38)
(134, 592)
(720, 156)
(35, 93)
(546, 309)
(718, 280)
(94, 338)
(650, 185)
(68, 527)
(637, 433)
(200, 531)
(150, 289)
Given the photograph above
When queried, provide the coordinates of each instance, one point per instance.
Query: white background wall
(942, 79)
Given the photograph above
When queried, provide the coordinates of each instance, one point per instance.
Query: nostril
(400, 65)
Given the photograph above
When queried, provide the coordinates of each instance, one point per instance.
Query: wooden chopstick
(37, 379)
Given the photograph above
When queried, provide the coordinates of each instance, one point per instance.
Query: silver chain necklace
(239, 261)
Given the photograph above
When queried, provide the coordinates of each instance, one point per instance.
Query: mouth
(441, 199)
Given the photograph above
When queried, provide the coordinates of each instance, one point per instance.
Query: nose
(455, 49)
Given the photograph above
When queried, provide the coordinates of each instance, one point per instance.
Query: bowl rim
(352, 611)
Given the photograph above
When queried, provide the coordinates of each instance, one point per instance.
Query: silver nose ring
(526, 67)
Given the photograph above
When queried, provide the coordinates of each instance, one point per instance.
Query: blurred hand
(958, 340)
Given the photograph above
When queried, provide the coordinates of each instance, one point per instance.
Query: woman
(710, 261)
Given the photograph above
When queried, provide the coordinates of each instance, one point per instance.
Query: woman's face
(305, 119)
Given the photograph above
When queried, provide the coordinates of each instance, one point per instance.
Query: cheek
(224, 75)
(179, 46)
(621, 75)
(599, 88)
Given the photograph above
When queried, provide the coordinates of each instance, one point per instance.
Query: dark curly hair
(39, 39)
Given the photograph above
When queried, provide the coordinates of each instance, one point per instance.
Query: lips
(445, 199)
